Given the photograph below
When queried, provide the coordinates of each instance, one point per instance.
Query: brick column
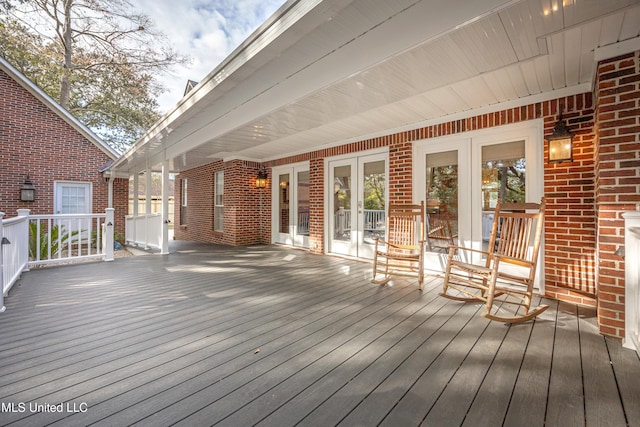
(242, 203)
(400, 169)
(316, 206)
(617, 178)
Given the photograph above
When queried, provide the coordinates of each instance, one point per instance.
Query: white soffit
(355, 68)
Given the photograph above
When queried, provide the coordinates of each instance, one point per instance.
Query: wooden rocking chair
(514, 245)
(439, 232)
(401, 252)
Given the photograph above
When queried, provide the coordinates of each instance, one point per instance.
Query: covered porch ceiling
(320, 73)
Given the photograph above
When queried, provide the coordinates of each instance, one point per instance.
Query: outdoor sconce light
(27, 191)
(560, 143)
(261, 179)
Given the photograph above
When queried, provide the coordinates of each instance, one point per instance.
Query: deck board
(565, 404)
(272, 336)
(494, 394)
(624, 363)
(602, 400)
(529, 397)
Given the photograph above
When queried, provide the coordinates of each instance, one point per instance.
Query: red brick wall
(247, 210)
(401, 169)
(35, 141)
(570, 225)
(316, 206)
(198, 226)
(618, 184)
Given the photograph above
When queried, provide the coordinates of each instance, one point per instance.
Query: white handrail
(144, 230)
(14, 255)
(53, 239)
(64, 237)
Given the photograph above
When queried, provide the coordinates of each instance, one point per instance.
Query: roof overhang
(322, 73)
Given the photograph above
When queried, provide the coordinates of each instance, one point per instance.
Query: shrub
(59, 237)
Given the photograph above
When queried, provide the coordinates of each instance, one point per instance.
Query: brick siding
(247, 210)
(617, 158)
(37, 142)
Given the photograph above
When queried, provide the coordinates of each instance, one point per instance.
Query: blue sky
(205, 30)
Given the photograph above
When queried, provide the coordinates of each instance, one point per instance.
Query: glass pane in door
(373, 197)
(503, 177)
(442, 200)
(283, 203)
(303, 203)
(342, 203)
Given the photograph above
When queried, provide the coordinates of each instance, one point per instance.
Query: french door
(357, 203)
(290, 205)
(461, 178)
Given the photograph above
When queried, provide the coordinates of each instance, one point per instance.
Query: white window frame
(183, 200)
(218, 208)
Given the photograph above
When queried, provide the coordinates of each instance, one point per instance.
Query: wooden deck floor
(275, 337)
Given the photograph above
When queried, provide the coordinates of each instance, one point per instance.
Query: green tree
(374, 187)
(97, 58)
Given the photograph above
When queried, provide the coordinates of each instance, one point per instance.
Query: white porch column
(136, 189)
(164, 239)
(134, 196)
(25, 247)
(2, 307)
(147, 207)
(108, 230)
(110, 192)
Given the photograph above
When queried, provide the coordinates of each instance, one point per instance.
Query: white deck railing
(14, 256)
(374, 220)
(632, 279)
(66, 237)
(30, 240)
(144, 230)
(303, 223)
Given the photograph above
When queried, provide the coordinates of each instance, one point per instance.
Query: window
(183, 201)
(72, 197)
(218, 202)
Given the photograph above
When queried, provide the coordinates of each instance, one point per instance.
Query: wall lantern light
(261, 179)
(27, 191)
(560, 143)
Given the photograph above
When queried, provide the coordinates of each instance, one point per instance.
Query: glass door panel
(302, 210)
(372, 204)
(341, 217)
(283, 203)
(503, 177)
(442, 200)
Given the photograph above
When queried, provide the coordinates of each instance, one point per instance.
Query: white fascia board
(617, 49)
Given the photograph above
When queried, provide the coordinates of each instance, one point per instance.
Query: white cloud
(206, 31)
